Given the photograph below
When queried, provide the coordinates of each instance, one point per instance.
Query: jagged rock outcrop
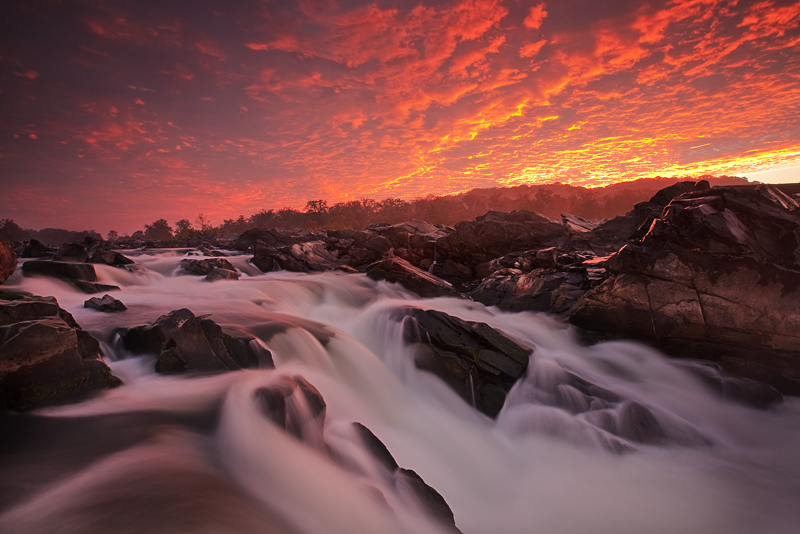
(221, 274)
(106, 304)
(110, 257)
(72, 252)
(475, 360)
(35, 249)
(206, 266)
(184, 342)
(80, 275)
(8, 262)
(716, 276)
(424, 284)
(45, 357)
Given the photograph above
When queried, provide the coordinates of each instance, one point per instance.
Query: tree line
(549, 200)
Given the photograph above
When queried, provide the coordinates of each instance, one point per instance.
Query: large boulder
(206, 266)
(479, 363)
(8, 261)
(110, 257)
(184, 342)
(414, 240)
(45, 357)
(424, 284)
(539, 290)
(494, 234)
(35, 249)
(299, 257)
(716, 276)
(80, 275)
(106, 304)
(73, 252)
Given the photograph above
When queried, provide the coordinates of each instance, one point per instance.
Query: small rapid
(566, 454)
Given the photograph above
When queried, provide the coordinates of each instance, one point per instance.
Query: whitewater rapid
(193, 453)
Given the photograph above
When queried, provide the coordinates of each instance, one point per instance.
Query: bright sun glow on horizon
(119, 113)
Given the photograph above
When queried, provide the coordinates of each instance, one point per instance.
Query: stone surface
(476, 361)
(184, 342)
(110, 257)
(72, 252)
(8, 261)
(80, 275)
(45, 357)
(35, 249)
(717, 276)
(400, 271)
(221, 274)
(206, 266)
(106, 304)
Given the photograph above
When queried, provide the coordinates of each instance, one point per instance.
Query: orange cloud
(535, 17)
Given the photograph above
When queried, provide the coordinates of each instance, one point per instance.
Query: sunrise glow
(116, 113)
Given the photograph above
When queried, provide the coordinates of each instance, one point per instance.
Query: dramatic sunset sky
(116, 113)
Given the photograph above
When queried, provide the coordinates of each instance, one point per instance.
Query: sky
(116, 113)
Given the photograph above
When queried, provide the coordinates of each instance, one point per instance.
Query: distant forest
(550, 200)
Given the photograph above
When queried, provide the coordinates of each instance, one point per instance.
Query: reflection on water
(197, 454)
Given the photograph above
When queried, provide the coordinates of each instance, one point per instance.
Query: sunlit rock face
(716, 276)
(45, 357)
(8, 262)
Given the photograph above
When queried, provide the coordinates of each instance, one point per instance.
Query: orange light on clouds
(247, 108)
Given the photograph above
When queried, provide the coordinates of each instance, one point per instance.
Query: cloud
(535, 17)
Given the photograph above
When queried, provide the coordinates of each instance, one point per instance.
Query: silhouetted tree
(159, 230)
(11, 231)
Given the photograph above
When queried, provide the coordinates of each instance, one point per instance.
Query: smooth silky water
(193, 453)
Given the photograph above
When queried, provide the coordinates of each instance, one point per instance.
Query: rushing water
(194, 454)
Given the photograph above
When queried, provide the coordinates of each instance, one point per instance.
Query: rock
(717, 275)
(397, 270)
(576, 224)
(46, 358)
(80, 275)
(428, 497)
(495, 234)
(414, 240)
(475, 360)
(206, 266)
(106, 304)
(296, 406)
(540, 290)
(271, 237)
(184, 342)
(35, 249)
(8, 262)
(72, 252)
(221, 274)
(110, 257)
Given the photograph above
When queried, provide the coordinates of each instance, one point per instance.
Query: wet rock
(80, 275)
(428, 497)
(414, 240)
(184, 342)
(573, 223)
(494, 234)
(397, 270)
(296, 406)
(106, 304)
(717, 275)
(46, 358)
(72, 252)
(221, 274)
(206, 266)
(8, 262)
(511, 289)
(475, 360)
(110, 257)
(35, 249)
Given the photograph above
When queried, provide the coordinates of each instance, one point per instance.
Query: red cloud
(535, 17)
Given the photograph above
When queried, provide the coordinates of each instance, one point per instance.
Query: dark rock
(221, 274)
(511, 289)
(414, 240)
(271, 237)
(397, 270)
(8, 261)
(495, 234)
(46, 358)
(35, 249)
(296, 406)
(93, 287)
(428, 497)
(718, 274)
(475, 360)
(72, 252)
(63, 270)
(107, 304)
(206, 266)
(576, 224)
(184, 342)
(110, 257)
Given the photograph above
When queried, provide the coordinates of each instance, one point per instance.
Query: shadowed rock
(221, 274)
(45, 357)
(106, 304)
(400, 271)
(475, 360)
(80, 275)
(8, 261)
(72, 252)
(206, 266)
(110, 257)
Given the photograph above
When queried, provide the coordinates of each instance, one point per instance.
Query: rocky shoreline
(698, 272)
